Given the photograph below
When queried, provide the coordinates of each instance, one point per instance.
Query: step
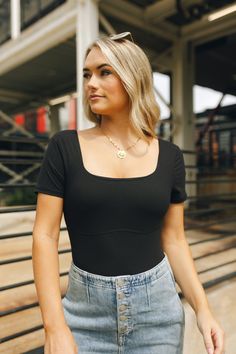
(211, 258)
(18, 247)
(211, 246)
(24, 343)
(13, 273)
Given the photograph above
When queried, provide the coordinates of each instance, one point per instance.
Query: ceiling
(155, 26)
(216, 64)
(46, 76)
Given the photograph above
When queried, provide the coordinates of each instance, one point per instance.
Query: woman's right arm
(46, 231)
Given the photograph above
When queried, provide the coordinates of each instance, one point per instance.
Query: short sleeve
(178, 192)
(50, 179)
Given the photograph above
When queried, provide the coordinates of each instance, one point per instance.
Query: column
(183, 119)
(15, 19)
(54, 119)
(87, 30)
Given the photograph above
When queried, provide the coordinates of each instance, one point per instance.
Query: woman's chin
(99, 111)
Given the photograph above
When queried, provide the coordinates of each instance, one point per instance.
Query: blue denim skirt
(131, 314)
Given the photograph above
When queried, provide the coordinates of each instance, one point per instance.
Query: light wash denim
(127, 314)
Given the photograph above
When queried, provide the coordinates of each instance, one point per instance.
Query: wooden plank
(22, 246)
(22, 320)
(205, 248)
(23, 271)
(215, 260)
(199, 235)
(216, 273)
(24, 343)
(25, 295)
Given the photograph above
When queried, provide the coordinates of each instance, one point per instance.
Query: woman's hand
(213, 334)
(60, 341)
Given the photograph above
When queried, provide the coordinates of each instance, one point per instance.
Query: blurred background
(191, 45)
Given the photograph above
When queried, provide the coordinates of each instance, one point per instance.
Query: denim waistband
(110, 281)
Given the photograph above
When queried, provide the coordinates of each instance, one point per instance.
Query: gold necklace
(121, 153)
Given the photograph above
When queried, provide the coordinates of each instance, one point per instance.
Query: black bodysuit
(114, 224)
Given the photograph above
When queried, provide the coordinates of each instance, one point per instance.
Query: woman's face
(100, 79)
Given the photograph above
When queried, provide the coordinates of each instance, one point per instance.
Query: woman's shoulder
(63, 134)
(66, 140)
(169, 145)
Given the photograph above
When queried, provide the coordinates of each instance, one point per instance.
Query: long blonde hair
(133, 67)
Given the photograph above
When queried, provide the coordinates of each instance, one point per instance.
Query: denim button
(123, 318)
(122, 307)
(123, 329)
(120, 282)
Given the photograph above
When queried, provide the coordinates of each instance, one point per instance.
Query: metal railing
(31, 11)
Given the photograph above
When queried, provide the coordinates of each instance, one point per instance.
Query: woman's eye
(103, 72)
(106, 72)
(86, 75)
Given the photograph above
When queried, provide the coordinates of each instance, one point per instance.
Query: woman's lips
(92, 98)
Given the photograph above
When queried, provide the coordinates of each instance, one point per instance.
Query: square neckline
(156, 170)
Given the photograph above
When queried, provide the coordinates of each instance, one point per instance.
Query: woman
(122, 191)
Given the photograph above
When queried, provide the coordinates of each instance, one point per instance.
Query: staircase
(213, 249)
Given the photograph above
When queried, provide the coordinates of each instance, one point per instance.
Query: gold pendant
(121, 154)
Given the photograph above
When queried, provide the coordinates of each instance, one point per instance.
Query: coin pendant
(121, 154)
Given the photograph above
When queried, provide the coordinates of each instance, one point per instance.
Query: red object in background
(41, 120)
(20, 119)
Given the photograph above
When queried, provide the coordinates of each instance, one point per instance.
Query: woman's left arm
(175, 245)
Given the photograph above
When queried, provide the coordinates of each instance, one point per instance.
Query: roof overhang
(41, 64)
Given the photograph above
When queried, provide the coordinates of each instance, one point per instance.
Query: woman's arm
(175, 245)
(45, 258)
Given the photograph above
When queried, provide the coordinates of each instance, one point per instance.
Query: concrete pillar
(15, 19)
(54, 119)
(183, 119)
(87, 30)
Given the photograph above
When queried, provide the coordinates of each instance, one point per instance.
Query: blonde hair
(134, 70)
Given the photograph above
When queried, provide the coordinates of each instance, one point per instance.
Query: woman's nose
(92, 82)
